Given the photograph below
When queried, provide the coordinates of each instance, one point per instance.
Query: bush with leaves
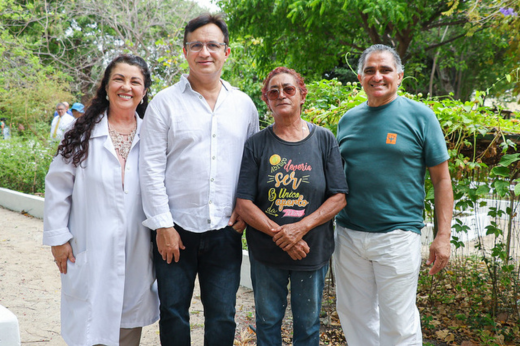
(24, 164)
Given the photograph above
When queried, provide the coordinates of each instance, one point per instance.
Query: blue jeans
(270, 291)
(216, 256)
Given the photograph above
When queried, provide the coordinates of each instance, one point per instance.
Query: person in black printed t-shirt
(290, 188)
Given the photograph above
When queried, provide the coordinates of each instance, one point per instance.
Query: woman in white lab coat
(93, 216)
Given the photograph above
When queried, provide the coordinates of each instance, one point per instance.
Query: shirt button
(210, 202)
(212, 179)
(126, 191)
(209, 221)
(213, 157)
(200, 97)
(214, 135)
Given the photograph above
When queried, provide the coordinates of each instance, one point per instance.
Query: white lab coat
(112, 283)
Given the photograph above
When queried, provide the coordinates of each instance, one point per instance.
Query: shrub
(24, 164)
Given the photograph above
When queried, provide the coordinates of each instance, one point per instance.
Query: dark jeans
(216, 256)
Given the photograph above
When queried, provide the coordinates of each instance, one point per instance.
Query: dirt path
(30, 287)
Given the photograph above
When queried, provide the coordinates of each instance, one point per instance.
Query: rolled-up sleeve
(152, 168)
(59, 184)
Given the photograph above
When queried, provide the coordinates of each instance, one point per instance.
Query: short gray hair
(379, 48)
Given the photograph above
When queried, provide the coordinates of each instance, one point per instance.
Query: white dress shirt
(190, 156)
(60, 125)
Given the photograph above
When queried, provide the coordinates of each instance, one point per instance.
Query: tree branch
(437, 12)
(372, 32)
(439, 24)
(448, 41)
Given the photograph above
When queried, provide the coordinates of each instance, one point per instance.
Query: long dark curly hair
(75, 143)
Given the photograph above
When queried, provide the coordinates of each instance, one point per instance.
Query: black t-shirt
(289, 181)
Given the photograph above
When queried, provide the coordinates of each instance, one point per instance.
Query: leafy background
(462, 60)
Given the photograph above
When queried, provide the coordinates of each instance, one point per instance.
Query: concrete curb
(245, 271)
(21, 202)
(9, 328)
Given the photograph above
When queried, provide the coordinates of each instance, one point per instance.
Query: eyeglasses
(288, 90)
(212, 46)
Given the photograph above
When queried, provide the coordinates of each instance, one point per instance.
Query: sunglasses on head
(288, 90)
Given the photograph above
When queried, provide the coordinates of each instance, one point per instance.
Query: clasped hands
(289, 239)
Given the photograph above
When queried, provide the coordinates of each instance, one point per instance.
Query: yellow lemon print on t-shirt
(275, 159)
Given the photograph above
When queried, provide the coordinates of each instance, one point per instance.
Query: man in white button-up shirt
(61, 123)
(192, 140)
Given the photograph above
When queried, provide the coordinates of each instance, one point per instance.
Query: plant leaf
(506, 160)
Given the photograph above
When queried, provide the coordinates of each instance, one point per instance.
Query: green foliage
(313, 35)
(29, 90)
(327, 101)
(24, 164)
(33, 102)
(240, 70)
(505, 25)
(438, 40)
(78, 38)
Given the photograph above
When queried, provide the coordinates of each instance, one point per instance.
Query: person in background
(61, 123)
(93, 215)
(290, 188)
(387, 144)
(191, 145)
(77, 110)
(67, 110)
(6, 131)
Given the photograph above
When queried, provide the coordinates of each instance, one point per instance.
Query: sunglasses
(288, 90)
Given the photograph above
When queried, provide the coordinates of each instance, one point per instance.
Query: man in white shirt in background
(67, 110)
(192, 140)
(61, 123)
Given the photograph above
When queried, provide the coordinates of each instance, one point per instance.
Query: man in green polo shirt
(387, 144)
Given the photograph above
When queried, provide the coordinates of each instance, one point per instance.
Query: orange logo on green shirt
(391, 138)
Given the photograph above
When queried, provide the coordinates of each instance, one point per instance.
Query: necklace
(122, 141)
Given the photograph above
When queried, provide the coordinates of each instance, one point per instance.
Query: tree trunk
(430, 90)
(445, 80)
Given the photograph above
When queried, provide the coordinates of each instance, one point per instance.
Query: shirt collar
(185, 84)
(101, 129)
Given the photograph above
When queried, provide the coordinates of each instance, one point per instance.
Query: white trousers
(376, 287)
